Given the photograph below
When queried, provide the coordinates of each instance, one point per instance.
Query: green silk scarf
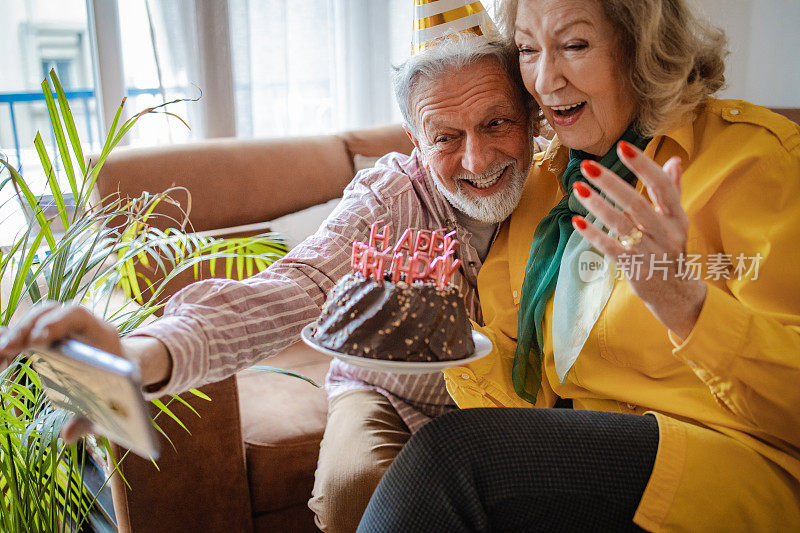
(541, 272)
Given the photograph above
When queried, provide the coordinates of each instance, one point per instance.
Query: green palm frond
(103, 248)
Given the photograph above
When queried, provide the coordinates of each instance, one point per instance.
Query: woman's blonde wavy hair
(673, 60)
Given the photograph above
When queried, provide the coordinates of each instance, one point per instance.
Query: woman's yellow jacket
(727, 398)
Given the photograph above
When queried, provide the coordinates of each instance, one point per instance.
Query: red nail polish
(579, 222)
(582, 190)
(626, 149)
(590, 169)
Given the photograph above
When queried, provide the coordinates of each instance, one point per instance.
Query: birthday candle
(358, 252)
(428, 257)
(437, 244)
(423, 243)
(383, 238)
(414, 271)
(405, 242)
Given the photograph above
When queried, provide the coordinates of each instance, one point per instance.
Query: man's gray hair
(455, 52)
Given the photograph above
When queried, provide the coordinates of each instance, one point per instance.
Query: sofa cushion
(297, 226)
(295, 519)
(363, 162)
(232, 181)
(376, 142)
(283, 419)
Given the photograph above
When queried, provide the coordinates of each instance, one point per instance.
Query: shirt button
(734, 112)
(515, 293)
(464, 376)
(631, 406)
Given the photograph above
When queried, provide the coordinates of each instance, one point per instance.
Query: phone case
(104, 388)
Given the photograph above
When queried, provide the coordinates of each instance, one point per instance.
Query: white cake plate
(483, 346)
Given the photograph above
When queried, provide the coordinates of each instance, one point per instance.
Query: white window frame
(214, 56)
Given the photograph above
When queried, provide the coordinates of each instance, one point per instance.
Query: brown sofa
(248, 464)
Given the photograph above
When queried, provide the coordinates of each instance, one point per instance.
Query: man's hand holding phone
(45, 326)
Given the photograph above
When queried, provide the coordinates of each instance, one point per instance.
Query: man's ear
(414, 141)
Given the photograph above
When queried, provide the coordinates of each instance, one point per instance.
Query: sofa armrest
(200, 483)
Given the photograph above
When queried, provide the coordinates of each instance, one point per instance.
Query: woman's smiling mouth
(566, 115)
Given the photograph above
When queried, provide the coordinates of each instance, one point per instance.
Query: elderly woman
(661, 298)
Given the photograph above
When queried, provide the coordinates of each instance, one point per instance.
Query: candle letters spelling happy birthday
(419, 254)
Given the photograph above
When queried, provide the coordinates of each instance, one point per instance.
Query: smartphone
(102, 387)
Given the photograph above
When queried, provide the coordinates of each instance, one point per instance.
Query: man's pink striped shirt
(216, 327)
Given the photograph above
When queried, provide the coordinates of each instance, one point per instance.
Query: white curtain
(315, 66)
(160, 63)
(296, 67)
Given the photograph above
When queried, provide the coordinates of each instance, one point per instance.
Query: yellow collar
(682, 136)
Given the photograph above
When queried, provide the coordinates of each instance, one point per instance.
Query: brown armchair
(248, 464)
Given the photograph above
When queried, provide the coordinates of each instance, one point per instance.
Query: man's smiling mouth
(484, 182)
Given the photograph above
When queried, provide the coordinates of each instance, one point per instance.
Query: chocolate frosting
(396, 321)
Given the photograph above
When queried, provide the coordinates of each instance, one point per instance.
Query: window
(315, 66)
(160, 65)
(35, 37)
(266, 68)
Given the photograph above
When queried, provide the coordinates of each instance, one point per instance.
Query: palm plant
(41, 478)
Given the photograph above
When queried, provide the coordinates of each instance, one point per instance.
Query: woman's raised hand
(652, 237)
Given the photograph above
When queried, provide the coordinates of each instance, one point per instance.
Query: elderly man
(470, 123)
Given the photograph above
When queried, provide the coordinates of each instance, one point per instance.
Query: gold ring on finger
(631, 239)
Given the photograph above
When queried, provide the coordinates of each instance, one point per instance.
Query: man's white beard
(493, 208)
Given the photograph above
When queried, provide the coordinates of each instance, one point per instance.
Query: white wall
(764, 39)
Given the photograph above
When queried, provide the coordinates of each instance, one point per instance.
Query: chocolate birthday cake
(409, 312)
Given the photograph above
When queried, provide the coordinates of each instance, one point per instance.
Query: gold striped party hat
(436, 19)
